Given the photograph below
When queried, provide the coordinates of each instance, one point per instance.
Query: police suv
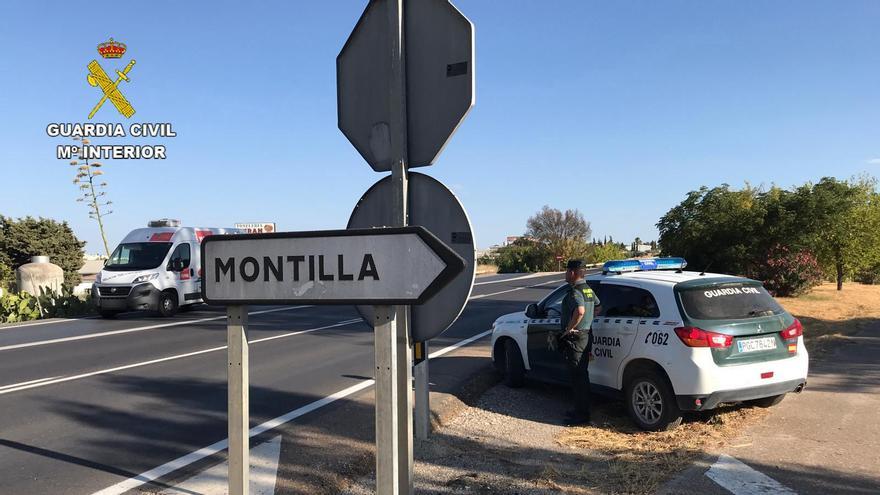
(666, 341)
(156, 268)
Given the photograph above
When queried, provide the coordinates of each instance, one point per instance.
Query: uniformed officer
(576, 340)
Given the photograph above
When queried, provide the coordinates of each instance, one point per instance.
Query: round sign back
(433, 206)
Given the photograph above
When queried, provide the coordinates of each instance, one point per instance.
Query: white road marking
(11, 385)
(516, 289)
(13, 326)
(212, 449)
(138, 329)
(455, 346)
(739, 479)
(263, 473)
(17, 387)
(531, 275)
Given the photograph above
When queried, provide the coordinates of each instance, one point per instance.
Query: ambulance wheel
(651, 404)
(168, 303)
(514, 369)
(766, 401)
(108, 314)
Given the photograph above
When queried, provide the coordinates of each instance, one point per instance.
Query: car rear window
(729, 301)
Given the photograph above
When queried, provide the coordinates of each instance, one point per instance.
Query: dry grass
(638, 462)
(486, 269)
(828, 314)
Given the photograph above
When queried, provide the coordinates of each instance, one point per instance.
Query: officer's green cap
(575, 264)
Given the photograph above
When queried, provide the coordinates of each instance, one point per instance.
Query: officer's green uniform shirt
(580, 295)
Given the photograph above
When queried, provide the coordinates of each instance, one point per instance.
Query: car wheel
(766, 401)
(651, 404)
(168, 303)
(514, 369)
(108, 314)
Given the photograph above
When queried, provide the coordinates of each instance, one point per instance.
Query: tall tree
(841, 220)
(715, 228)
(550, 225)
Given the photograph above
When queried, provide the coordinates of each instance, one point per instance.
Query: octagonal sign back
(439, 50)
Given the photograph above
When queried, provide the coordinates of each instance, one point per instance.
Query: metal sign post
(387, 268)
(399, 102)
(238, 399)
(423, 392)
(394, 459)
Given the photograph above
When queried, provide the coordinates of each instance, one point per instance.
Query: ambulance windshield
(137, 256)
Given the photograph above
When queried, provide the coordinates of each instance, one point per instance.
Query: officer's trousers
(576, 354)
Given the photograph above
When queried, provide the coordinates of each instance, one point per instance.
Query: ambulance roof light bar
(643, 265)
(164, 222)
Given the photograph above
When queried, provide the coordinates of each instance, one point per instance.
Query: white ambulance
(157, 268)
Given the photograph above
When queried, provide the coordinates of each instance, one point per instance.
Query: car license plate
(752, 345)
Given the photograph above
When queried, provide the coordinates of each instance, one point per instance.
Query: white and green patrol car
(666, 341)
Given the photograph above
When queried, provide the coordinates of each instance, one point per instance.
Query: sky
(617, 109)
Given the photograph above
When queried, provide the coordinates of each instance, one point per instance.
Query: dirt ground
(512, 441)
(829, 315)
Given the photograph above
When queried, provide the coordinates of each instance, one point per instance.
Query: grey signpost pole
(402, 367)
(423, 395)
(238, 398)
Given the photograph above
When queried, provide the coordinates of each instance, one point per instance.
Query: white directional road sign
(439, 51)
(404, 265)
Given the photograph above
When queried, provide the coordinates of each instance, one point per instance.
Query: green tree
(20, 239)
(841, 222)
(551, 225)
(715, 228)
(523, 255)
(604, 252)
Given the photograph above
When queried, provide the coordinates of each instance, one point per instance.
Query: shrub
(521, 256)
(870, 275)
(789, 273)
(49, 304)
(20, 239)
(18, 307)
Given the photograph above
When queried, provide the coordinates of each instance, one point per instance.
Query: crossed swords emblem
(97, 77)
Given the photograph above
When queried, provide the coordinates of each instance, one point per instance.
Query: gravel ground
(505, 443)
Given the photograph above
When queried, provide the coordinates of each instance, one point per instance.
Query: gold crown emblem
(111, 49)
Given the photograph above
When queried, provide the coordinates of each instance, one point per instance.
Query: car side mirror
(177, 265)
(532, 311)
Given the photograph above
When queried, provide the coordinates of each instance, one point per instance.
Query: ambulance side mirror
(177, 265)
(532, 311)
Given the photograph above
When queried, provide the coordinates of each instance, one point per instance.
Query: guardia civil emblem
(112, 50)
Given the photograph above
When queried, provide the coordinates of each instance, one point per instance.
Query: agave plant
(92, 193)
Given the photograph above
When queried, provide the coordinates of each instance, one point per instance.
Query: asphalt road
(89, 403)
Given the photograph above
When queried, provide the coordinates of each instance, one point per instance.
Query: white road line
(739, 479)
(531, 275)
(17, 387)
(214, 448)
(13, 326)
(11, 385)
(453, 347)
(137, 329)
(263, 474)
(511, 290)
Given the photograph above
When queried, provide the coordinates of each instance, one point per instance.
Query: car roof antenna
(703, 273)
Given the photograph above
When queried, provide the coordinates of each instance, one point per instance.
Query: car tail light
(794, 331)
(697, 337)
